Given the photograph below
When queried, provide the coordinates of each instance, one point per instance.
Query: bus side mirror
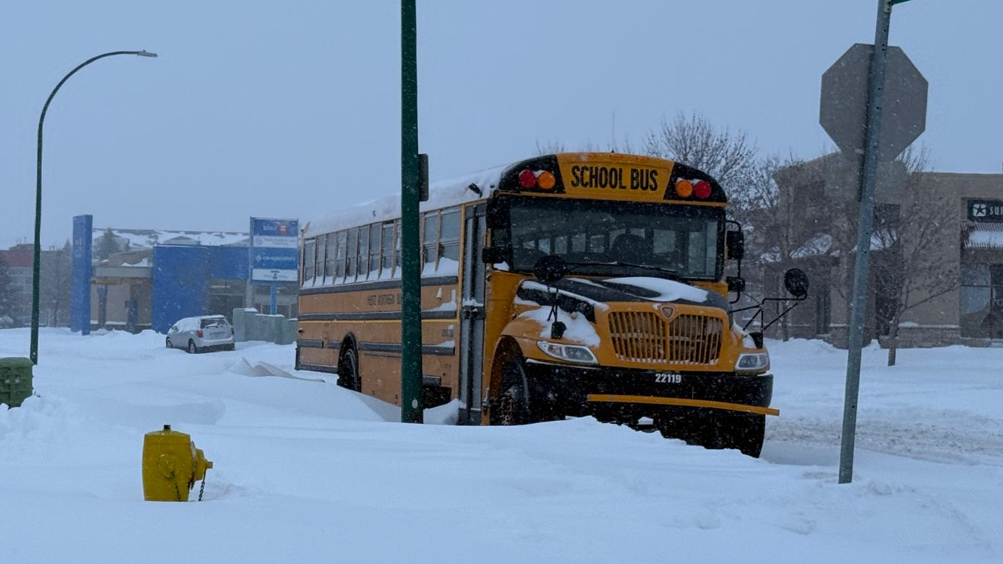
(734, 242)
(736, 284)
(550, 269)
(493, 255)
(796, 282)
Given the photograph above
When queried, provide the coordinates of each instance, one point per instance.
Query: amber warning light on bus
(686, 188)
(542, 179)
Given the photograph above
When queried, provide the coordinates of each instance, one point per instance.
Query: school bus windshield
(595, 235)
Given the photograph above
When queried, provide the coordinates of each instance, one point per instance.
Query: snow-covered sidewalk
(308, 472)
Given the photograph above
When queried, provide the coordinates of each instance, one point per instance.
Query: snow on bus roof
(441, 194)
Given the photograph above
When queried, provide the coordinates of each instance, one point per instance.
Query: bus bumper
(646, 393)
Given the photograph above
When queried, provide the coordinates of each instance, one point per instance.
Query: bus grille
(649, 338)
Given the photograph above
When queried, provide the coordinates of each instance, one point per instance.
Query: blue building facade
(184, 279)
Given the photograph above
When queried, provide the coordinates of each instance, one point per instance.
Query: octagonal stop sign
(843, 112)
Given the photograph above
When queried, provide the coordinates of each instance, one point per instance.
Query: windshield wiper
(672, 274)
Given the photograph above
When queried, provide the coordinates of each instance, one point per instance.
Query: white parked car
(200, 334)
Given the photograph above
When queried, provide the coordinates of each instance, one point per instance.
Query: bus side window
(353, 242)
(449, 243)
(387, 265)
(329, 259)
(397, 249)
(430, 242)
(363, 268)
(597, 243)
(342, 246)
(561, 245)
(374, 251)
(309, 256)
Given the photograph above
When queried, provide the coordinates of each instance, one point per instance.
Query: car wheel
(513, 404)
(348, 370)
(192, 349)
(169, 345)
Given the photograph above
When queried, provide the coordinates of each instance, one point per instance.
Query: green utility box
(15, 380)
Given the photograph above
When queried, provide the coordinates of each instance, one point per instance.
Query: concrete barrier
(249, 325)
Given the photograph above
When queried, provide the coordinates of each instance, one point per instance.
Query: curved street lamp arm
(38, 196)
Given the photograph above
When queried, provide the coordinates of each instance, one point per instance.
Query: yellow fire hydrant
(171, 465)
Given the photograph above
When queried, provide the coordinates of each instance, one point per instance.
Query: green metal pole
(411, 370)
(38, 197)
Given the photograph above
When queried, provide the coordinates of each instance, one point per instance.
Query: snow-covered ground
(308, 472)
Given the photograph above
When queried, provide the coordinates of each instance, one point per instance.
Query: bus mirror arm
(796, 283)
(734, 242)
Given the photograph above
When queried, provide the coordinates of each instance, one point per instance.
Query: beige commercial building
(937, 254)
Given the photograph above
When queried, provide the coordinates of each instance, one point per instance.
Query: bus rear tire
(348, 370)
(513, 403)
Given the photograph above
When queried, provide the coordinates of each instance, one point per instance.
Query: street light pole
(411, 365)
(38, 197)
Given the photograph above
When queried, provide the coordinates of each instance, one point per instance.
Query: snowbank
(306, 471)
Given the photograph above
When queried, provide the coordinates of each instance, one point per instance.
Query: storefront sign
(985, 210)
(274, 250)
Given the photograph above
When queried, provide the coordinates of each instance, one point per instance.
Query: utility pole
(411, 370)
(861, 272)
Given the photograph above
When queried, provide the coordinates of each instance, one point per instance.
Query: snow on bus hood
(583, 295)
(632, 289)
(666, 290)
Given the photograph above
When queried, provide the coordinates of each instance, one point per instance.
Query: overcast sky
(291, 108)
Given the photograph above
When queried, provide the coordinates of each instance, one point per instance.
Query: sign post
(907, 120)
(274, 254)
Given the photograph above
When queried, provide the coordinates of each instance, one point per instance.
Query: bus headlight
(751, 362)
(568, 353)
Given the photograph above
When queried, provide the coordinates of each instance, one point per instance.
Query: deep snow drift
(308, 472)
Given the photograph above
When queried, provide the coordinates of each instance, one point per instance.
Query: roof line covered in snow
(441, 194)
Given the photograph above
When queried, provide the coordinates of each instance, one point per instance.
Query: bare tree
(907, 268)
(780, 227)
(916, 272)
(8, 296)
(730, 157)
(56, 283)
(553, 147)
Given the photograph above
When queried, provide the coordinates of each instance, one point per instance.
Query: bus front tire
(739, 431)
(748, 433)
(348, 370)
(513, 403)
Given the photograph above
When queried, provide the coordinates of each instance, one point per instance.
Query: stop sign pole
(875, 100)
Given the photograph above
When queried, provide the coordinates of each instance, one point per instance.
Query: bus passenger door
(472, 317)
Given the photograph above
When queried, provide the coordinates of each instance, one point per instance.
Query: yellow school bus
(563, 285)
